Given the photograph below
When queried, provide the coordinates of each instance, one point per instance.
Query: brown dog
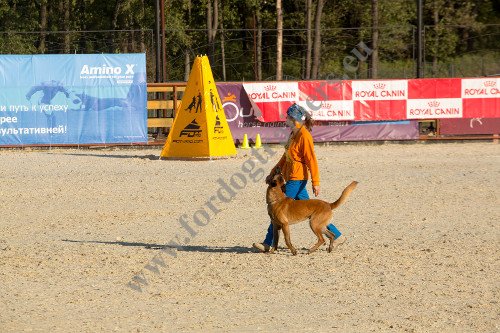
(285, 211)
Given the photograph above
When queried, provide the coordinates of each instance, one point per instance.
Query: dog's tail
(345, 193)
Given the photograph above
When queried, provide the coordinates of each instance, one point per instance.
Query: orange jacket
(299, 158)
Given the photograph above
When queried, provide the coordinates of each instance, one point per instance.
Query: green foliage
(460, 38)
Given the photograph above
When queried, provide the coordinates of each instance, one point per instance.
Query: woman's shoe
(261, 247)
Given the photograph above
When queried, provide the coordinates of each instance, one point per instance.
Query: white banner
(272, 91)
(434, 108)
(379, 90)
(330, 110)
(481, 88)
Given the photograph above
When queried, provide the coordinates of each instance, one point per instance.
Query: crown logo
(230, 97)
(379, 85)
(490, 83)
(433, 104)
(270, 87)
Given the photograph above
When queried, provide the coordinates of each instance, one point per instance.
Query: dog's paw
(294, 252)
(311, 251)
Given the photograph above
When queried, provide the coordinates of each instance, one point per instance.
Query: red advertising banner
(243, 118)
(379, 100)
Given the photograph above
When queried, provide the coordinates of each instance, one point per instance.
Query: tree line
(265, 39)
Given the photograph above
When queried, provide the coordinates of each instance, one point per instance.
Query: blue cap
(297, 112)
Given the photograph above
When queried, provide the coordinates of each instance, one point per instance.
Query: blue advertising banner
(72, 99)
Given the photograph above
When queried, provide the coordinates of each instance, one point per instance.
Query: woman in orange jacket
(296, 163)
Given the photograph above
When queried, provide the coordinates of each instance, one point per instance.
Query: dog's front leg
(276, 238)
(286, 232)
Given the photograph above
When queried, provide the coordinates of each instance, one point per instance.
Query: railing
(163, 99)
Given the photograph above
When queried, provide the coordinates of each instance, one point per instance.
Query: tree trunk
(222, 45)
(127, 42)
(216, 19)
(67, 39)
(254, 34)
(143, 14)
(187, 55)
(317, 40)
(43, 26)
(132, 44)
(309, 38)
(83, 43)
(212, 23)
(259, 44)
(116, 12)
(435, 17)
(374, 56)
(209, 21)
(114, 24)
(279, 41)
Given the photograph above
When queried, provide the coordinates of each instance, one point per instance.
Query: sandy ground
(82, 231)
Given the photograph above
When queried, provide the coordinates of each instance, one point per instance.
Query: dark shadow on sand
(142, 157)
(187, 248)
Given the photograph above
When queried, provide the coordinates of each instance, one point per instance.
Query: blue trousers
(296, 189)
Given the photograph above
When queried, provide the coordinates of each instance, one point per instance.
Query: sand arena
(80, 228)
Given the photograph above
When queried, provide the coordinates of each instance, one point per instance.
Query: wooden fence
(163, 99)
